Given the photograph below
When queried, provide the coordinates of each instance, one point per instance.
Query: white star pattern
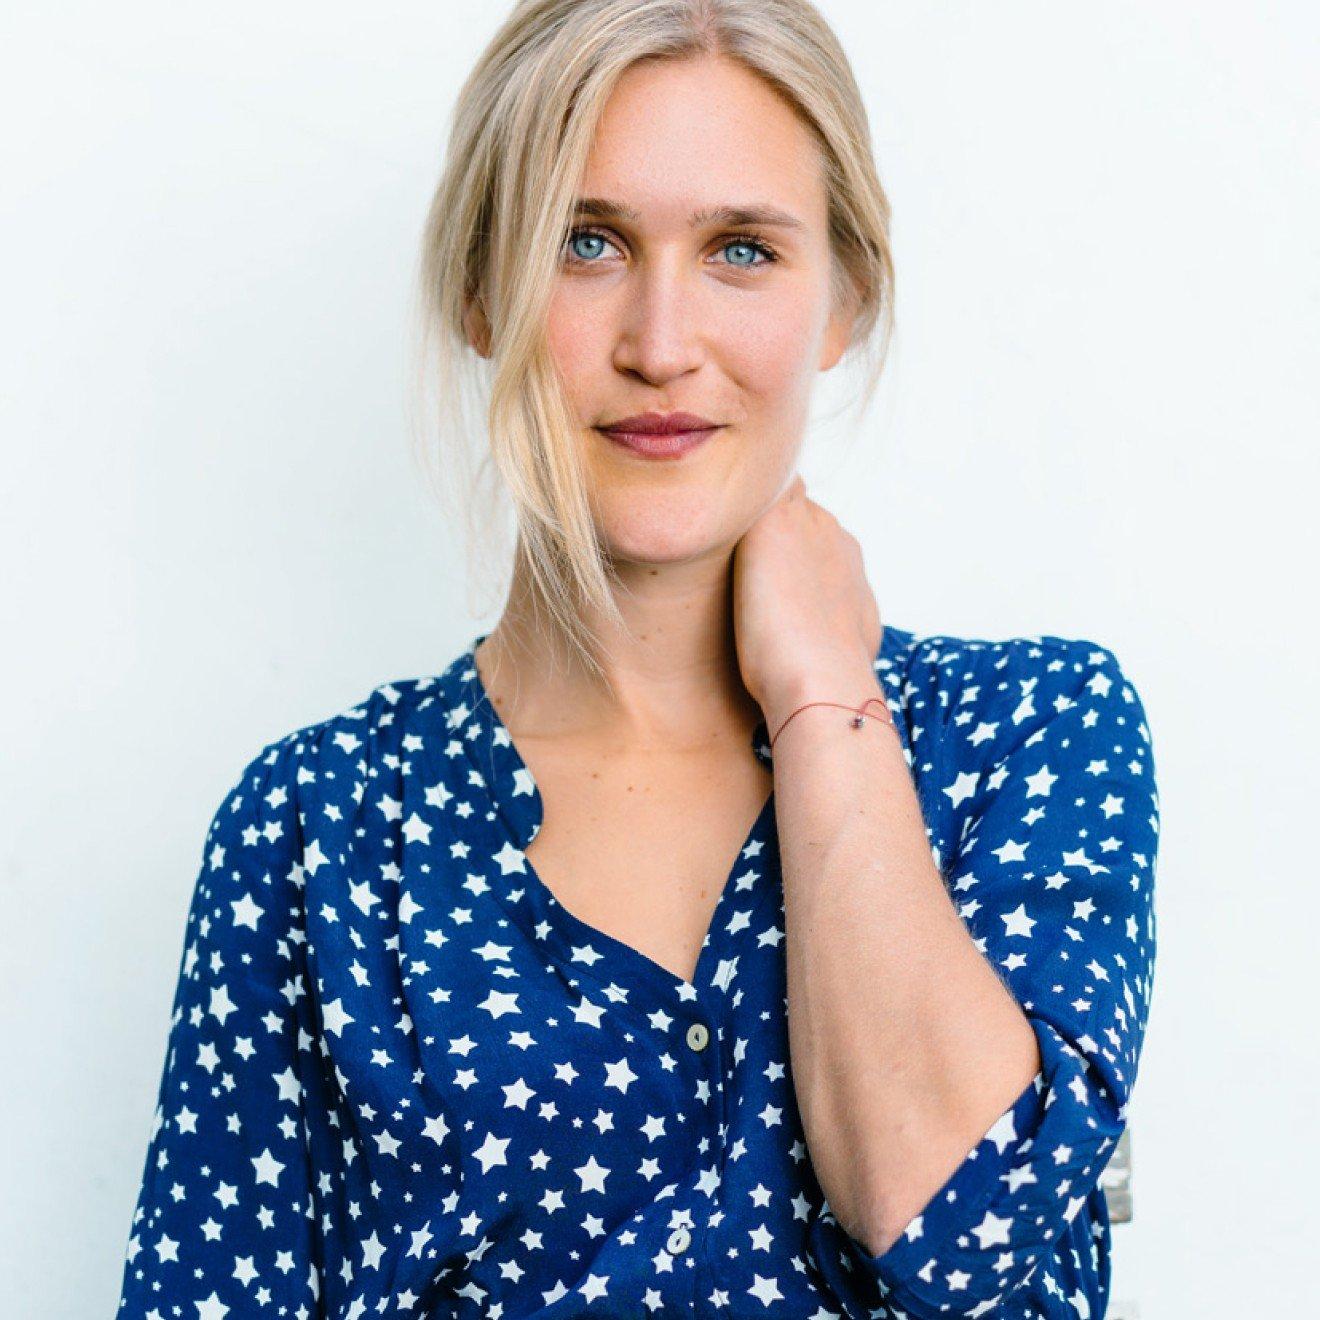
(402, 1075)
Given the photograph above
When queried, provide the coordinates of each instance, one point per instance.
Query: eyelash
(750, 240)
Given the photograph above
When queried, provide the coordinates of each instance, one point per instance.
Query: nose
(660, 336)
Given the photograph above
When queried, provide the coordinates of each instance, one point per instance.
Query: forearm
(905, 1045)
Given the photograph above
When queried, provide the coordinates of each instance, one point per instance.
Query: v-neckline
(525, 821)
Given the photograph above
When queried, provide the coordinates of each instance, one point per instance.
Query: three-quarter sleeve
(1046, 770)
(224, 1222)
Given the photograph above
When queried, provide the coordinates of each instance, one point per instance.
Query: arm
(963, 1053)
(225, 1217)
(905, 1044)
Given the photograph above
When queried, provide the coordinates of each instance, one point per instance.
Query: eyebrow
(754, 213)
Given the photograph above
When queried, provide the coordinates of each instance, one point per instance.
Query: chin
(663, 535)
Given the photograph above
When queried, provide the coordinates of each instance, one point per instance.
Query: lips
(654, 423)
(660, 435)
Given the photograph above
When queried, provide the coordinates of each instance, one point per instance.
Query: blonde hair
(519, 140)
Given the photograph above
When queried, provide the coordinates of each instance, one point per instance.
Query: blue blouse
(402, 1079)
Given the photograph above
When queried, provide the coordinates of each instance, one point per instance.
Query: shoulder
(1041, 758)
(985, 700)
(315, 773)
(1016, 682)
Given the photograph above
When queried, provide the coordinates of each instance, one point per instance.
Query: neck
(671, 670)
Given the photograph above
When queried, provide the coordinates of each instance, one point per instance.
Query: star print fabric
(403, 1079)
(225, 1216)
(1050, 812)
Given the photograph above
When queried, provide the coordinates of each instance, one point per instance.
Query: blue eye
(583, 234)
(747, 242)
(746, 246)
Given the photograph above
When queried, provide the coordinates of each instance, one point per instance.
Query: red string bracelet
(859, 714)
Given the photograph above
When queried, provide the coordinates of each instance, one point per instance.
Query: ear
(475, 326)
(839, 328)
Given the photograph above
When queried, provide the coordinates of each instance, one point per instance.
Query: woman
(692, 943)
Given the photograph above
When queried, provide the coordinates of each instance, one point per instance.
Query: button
(679, 1241)
(698, 1036)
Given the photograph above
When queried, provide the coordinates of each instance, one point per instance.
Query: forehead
(678, 136)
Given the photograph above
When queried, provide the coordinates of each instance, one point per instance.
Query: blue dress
(402, 1079)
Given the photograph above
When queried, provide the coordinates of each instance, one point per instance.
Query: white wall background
(1100, 420)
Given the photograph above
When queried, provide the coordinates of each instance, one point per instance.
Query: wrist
(848, 682)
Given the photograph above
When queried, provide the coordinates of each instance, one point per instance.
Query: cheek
(578, 339)
(774, 351)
